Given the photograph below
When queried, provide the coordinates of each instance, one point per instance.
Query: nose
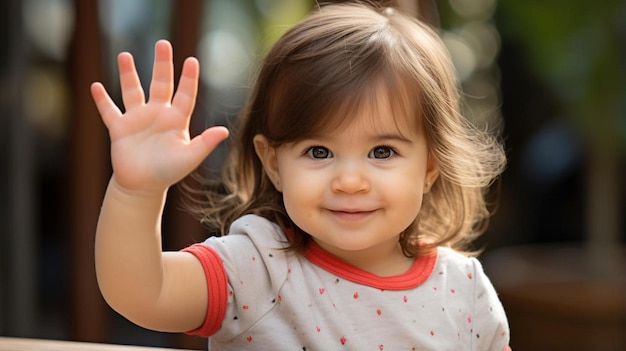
(351, 177)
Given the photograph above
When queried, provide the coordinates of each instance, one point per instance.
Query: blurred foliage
(579, 49)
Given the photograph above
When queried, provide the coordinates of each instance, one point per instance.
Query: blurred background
(548, 76)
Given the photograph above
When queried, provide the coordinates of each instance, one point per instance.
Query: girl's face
(355, 189)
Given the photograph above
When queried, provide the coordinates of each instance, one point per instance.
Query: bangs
(384, 94)
(304, 110)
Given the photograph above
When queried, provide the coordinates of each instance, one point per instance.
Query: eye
(381, 152)
(319, 152)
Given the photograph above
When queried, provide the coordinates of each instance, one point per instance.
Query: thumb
(203, 144)
(213, 136)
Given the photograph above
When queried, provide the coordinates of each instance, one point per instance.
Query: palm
(150, 144)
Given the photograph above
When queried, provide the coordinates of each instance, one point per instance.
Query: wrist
(149, 194)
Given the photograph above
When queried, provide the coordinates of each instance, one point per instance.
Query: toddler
(352, 189)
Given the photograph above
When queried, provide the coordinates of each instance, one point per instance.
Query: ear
(267, 155)
(432, 172)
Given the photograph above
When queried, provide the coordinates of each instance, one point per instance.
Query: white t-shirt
(262, 297)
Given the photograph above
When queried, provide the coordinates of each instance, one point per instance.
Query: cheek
(299, 194)
(411, 202)
(408, 211)
(291, 197)
(299, 206)
(405, 194)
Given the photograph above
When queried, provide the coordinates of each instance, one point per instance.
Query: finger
(202, 145)
(106, 107)
(162, 85)
(132, 92)
(213, 136)
(185, 97)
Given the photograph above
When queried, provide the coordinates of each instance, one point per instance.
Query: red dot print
(470, 276)
(245, 307)
(405, 299)
(253, 258)
(469, 319)
(379, 312)
(318, 329)
(343, 340)
(432, 333)
(280, 298)
(322, 291)
(381, 347)
(452, 291)
(356, 295)
(249, 338)
(435, 288)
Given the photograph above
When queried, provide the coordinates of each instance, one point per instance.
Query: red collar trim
(414, 277)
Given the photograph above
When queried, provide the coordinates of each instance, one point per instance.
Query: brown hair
(330, 62)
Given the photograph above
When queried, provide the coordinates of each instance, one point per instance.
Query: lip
(351, 215)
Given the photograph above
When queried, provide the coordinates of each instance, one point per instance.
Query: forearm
(129, 263)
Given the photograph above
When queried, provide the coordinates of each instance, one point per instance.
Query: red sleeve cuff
(217, 287)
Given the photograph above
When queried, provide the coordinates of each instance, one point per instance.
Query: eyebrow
(391, 136)
(373, 137)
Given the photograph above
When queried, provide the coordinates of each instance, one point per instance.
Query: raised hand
(150, 144)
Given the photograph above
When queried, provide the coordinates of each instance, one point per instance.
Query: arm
(150, 150)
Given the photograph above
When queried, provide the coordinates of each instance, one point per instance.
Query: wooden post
(88, 173)
(18, 252)
(181, 229)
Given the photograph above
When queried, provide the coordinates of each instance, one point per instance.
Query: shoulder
(252, 223)
(254, 230)
(454, 260)
(252, 240)
(460, 267)
(254, 245)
